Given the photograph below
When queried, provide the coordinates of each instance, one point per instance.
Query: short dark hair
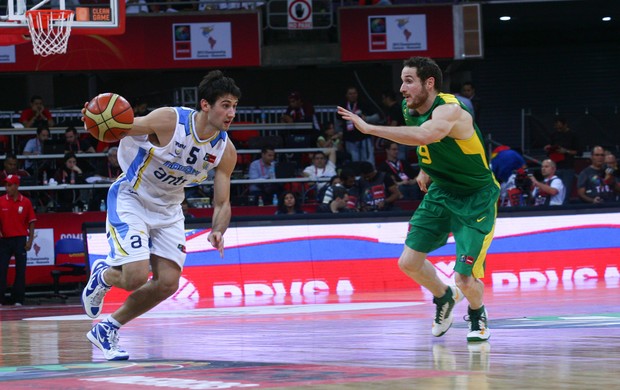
(339, 192)
(426, 68)
(35, 97)
(70, 129)
(366, 167)
(42, 126)
(266, 148)
(215, 85)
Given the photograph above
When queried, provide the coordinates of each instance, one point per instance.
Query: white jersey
(158, 174)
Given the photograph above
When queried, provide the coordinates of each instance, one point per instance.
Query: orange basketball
(108, 117)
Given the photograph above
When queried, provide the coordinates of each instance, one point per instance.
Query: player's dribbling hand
(217, 241)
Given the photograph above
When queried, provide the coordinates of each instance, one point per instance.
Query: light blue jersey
(158, 174)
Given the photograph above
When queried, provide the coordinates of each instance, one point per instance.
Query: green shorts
(471, 218)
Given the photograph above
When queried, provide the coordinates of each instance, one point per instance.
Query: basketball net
(49, 30)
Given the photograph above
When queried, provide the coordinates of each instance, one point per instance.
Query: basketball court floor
(552, 337)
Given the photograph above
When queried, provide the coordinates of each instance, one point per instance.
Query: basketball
(108, 117)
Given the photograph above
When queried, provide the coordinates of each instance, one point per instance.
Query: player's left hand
(358, 122)
(217, 241)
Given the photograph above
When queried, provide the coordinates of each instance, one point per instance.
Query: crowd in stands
(347, 172)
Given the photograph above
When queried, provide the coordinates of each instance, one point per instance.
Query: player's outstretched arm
(444, 119)
(221, 198)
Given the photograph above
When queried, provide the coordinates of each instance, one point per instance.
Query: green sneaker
(478, 325)
(443, 314)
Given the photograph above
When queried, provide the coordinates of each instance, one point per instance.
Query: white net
(49, 30)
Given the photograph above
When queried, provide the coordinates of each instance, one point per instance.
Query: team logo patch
(466, 259)
(181, 247)
(209, 158)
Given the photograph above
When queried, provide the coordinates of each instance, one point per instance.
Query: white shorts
(136, 230)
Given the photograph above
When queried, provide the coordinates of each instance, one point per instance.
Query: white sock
(112, 321)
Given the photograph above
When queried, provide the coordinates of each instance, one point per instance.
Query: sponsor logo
(481, 219)
(181, 247)
(180, 167)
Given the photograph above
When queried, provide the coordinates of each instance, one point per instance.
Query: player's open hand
(217, 241)
(423, 180)
(358, 122)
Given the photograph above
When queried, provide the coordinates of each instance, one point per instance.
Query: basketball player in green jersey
(461, 192)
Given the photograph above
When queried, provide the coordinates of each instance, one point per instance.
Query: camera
(523, 181)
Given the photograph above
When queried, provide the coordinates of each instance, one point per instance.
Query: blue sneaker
(95, 290)
(104, 336)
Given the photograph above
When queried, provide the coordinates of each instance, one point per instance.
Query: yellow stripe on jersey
(117, 242)
(142, 168)
(448, 98)
(473, 145)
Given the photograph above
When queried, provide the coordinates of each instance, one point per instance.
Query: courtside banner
(302, 260)
(395, 33)
(153, 42)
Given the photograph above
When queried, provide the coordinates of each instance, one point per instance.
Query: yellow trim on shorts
(478, 269)
(117, 243)
(142, 168)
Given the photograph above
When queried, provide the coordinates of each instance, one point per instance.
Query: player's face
(222, 113)
(412, 88)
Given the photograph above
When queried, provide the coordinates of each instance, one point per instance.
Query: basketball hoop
(49, 30)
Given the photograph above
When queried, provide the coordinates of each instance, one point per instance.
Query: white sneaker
(478, 326)
(104, 336)
(443, 313)
(95, 290)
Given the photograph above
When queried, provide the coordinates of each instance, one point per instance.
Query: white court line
(250, 310)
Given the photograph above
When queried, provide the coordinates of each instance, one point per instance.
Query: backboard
(100, 17)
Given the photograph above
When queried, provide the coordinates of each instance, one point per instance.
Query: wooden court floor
(551, 337)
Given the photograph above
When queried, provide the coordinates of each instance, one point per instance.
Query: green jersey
(457, 166)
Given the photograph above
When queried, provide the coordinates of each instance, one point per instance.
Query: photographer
(551, 191)
(516, 191)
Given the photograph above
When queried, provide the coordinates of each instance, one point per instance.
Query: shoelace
(112, 335)
(441, 313)
(481, 322)
(97, 297)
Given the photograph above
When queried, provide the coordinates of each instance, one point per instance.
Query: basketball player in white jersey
(164, 151)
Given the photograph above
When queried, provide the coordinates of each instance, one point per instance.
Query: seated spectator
(401, 172)
(612, 172)
(504, 161)
(141, 108)
(594, 185)
(289, 204)
(107, 171)
(11, 167)
(330, 138)
(264, 168)
(351, 185)
(327, 190)
(321, 168)
(75, 145)
(338, 204)
(36, 115)
(379, 189)
(34, 147)
(185, 208)
(300, 111)
(551, 191)
(69, 173)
